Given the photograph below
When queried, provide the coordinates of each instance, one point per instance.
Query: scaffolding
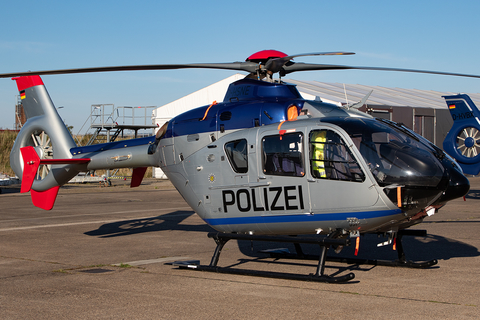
(20, 117)
(106, 123)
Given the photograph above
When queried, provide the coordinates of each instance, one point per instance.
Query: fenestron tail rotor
(468, 142)
(43, 146)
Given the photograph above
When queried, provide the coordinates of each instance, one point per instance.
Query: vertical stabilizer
(463, 140)
(45, 132)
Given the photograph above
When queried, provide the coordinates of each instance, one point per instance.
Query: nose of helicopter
(457, 187)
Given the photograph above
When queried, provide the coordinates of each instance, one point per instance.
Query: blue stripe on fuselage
(302, 217)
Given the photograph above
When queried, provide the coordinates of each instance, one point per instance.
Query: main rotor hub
(265, 55)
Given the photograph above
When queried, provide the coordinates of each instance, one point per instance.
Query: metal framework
(107, 123)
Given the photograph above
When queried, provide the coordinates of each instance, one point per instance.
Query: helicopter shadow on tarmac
(175, 221)
(169, 221)
(416, 248)
(473, 194)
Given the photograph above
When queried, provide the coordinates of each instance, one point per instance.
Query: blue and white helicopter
(263, 164)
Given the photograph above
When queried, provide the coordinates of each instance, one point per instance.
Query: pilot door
(336, 180)
(282, 169)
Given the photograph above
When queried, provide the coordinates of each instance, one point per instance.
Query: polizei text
(274, 199)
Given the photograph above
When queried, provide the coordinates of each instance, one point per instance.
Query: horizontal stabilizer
(44, 199)
(31, 162)
(137, 176)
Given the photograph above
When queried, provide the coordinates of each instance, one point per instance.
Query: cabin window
(330, 158)
(237, 155)
(283, 155)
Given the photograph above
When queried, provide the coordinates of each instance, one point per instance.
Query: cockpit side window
(237, 155)
(330, 158)
(394, 154)
(283, 155)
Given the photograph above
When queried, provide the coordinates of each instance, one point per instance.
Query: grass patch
(60, 271)
(96, 266)
(125, 265)
(7, 138)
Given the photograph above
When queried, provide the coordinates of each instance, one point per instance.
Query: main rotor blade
(246, 66)
(312, 67)
(239, 66)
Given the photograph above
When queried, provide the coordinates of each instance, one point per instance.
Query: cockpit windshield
(394, 155)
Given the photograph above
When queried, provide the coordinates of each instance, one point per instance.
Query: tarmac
(103, 253)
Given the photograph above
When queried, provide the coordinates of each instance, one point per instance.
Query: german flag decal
(22, 94)
(451, 106)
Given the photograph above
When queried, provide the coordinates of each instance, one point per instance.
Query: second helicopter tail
(463, 140)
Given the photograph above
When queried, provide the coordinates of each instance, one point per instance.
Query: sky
(42, 35)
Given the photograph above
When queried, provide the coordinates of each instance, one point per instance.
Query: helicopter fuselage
(245, 167)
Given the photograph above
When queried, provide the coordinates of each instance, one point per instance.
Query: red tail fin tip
(44, 199)
(27, 82)
(137, 176)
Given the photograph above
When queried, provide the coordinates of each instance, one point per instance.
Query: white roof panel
(398, 97)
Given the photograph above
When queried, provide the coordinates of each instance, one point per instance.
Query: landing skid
(319, 276)
(400, 262)
(388, 263)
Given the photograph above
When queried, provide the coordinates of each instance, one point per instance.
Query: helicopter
(262, 165)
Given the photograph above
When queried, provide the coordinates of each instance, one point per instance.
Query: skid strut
(324, 243)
